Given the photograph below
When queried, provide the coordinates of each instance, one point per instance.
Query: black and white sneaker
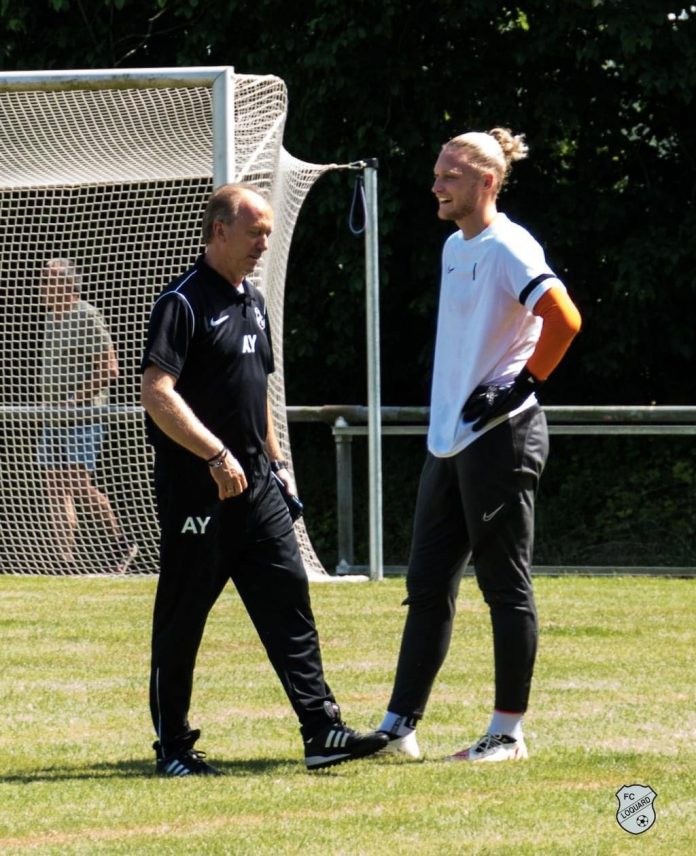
(186, 761)
(493, 747)
(337, 743)
(403, 744)
(402, 736)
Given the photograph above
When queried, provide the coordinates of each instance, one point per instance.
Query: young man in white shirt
(505, 321)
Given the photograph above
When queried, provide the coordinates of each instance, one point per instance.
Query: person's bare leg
(62, 513)
(95, 503)
(99, 508)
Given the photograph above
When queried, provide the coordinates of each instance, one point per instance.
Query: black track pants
(206, 542)
(478, 504)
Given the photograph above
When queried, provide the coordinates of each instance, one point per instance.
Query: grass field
(613, 704)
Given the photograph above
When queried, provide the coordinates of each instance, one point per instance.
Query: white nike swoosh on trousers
(488, 516)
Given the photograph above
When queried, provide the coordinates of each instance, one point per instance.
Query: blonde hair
(494, 151)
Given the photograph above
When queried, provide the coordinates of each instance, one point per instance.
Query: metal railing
(349, 421)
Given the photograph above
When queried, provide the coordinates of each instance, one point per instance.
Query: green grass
(613, 704)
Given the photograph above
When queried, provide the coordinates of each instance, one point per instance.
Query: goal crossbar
(110, 169)
(127, 78)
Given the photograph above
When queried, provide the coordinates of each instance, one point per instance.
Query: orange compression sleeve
(562, 322)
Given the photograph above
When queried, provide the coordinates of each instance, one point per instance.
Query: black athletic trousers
(204, 543)
(477, 504)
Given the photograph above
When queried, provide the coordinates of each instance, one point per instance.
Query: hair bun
(514, 147)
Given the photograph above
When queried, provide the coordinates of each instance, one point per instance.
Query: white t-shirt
(486, 331)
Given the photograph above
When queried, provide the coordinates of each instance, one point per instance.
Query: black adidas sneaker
(186, 761)
(337, 743)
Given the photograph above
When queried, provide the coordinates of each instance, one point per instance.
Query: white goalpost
(109, 171)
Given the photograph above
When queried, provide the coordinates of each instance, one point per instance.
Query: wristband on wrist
(217, 460)
(276, 466)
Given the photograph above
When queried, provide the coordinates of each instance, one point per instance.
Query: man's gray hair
(68, 270)
(223, 205)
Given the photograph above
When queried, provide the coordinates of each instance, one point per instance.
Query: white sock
(503, 722)
(396, 724)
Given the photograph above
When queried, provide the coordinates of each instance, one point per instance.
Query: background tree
(603, 90)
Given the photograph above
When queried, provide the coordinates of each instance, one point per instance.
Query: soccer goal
(103, 179)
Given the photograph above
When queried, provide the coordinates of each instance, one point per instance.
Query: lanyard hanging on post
(358, 193)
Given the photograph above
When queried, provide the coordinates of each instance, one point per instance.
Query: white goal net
(103, 182)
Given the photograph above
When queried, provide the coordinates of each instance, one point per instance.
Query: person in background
(222, 514)
(78, 363)
(505, 321)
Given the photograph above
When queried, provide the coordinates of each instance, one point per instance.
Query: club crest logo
(260, 320)
(636, 812)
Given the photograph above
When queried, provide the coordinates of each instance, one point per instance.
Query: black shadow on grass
(134, 770)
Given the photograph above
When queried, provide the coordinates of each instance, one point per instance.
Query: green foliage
(604, 91)
(618, 500)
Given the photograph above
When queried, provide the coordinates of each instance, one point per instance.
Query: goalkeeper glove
(488, 402)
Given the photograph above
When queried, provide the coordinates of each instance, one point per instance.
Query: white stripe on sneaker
(336, 738)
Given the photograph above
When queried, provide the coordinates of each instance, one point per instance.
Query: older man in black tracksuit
(222, 516)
